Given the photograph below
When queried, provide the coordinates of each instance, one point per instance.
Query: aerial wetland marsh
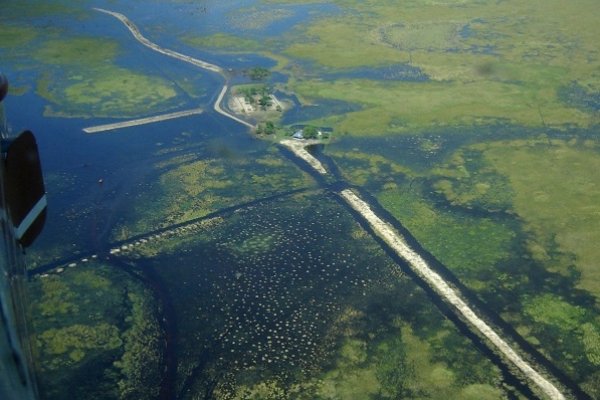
(198, 258)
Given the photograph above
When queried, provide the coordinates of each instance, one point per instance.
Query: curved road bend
(182, 57)
(218, 109)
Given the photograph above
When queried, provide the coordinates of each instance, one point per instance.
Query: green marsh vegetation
(80, 75)
(489, 255)
(558, 198)
(37, 8)
(84, 79)
(487, 62)
(514, 220)
(284, 306)
(13, 37)
(96, 334)
(258, 18)
(190, 186)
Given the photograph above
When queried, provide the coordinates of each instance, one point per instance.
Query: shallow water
(279, 291)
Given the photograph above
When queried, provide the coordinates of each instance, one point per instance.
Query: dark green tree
(310, 132)
(258, 73)
(264, 101)
(269, 128)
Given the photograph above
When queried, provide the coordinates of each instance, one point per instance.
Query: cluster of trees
(258, 73)
(262, 93)
(310, 132)
(268, 128)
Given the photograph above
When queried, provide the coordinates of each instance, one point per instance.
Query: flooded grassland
(475, 126)
(97, 333)
(499, 183)
(503, 229)
(282, 305)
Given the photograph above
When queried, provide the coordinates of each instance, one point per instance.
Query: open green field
(487, 61)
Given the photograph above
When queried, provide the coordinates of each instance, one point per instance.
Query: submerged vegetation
(81, 77)
(189, 187)
(474, 124)
(501, 232)
(97, 334)
(287, 306)
(82, 80)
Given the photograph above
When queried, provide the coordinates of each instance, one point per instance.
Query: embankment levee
(140, 38)
(182, 57)
(142, 121)
(431, 278)
(450, 295)
(148, 238)
(298, 147)
(381, 228)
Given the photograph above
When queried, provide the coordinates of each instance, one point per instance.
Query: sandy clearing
(298, 148)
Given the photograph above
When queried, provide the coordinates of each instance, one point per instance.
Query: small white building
(298, 135)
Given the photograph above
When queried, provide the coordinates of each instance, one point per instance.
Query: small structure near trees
(310, 132)
(250, 99)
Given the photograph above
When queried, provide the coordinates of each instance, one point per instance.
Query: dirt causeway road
(185, 58)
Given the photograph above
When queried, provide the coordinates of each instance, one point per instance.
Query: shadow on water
(303, 165)
(331, 167)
